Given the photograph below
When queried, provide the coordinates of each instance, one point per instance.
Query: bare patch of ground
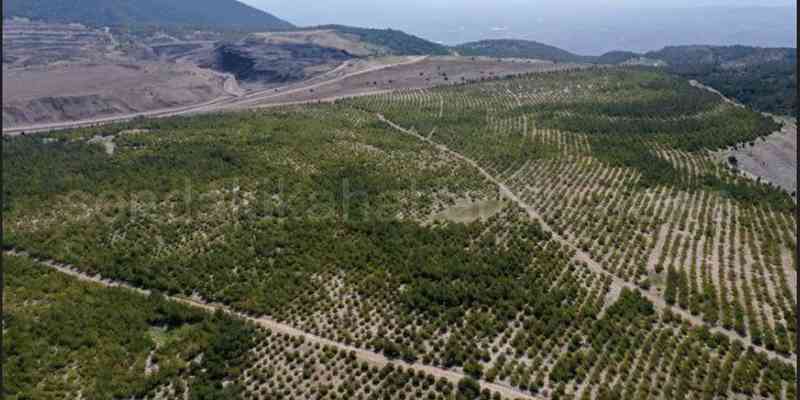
(351, 78)
(27, 43)
(54, 73)
(107, 142)
(236, 97)
(773, 159)
(433, 71)
(466, 211)
(67, 92)
(323, 38)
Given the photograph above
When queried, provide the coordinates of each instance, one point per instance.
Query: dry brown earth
(432, 71)
(324, 38)
(47, 94)
(773, 159)
(353, 78)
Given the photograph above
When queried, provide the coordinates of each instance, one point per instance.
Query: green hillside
(615, 57)
(529, 234)
(704, 58)
(219, 14)
(762, 78)
(396, 41)
(508, 48)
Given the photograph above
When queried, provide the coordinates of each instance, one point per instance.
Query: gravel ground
(773, 159)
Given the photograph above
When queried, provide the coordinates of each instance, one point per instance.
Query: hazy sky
(316, 12)
(585, 26)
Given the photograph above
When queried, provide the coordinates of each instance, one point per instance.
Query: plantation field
(73, 339)
(559, 235)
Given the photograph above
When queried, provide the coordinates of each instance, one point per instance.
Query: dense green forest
(209, 14)
(615, 57)
(769, 87)
(398, 42)
(762, 78)
(64, 337)
(517, 49)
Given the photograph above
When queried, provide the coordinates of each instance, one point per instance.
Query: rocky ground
(46, 94)
(66, 72)
(773, 159)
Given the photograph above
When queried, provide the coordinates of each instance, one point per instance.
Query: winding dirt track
(364, 355)
(220, 103)
(370, 357)
(616, 283)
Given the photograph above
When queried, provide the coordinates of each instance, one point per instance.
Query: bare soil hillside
(325, 38)
(773, 159)
(64, 72)
(77, 91)
(28, 43)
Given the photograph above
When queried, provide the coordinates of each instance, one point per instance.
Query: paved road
(228, 102)
(370, 357)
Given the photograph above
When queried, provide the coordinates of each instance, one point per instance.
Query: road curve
(373, 358)
(227, 102)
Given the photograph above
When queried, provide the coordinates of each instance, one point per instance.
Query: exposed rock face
(262, 62)
(48, 109)
(66, 92)
(35, 43)
(172, 50)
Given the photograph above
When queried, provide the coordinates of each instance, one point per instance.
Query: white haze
(582, 26)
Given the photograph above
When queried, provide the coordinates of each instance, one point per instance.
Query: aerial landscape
(204, 201)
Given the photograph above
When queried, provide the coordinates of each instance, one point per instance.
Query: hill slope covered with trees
(509, 48)
(398, 42)
(762, 78)
(529, 232)
(219, 14)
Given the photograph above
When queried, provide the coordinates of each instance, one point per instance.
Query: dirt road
(227, 102)
(253, 99)
(351, 79)
(616, 283)
(370, 357)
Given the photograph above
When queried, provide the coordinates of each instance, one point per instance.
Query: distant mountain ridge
(512, 48)
(396, 41)
(698, 57)
(763, 78)
(215, 14)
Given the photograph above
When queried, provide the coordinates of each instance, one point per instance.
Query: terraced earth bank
(61, 75)
(67, 72)
(49, 94)
(616, 256)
